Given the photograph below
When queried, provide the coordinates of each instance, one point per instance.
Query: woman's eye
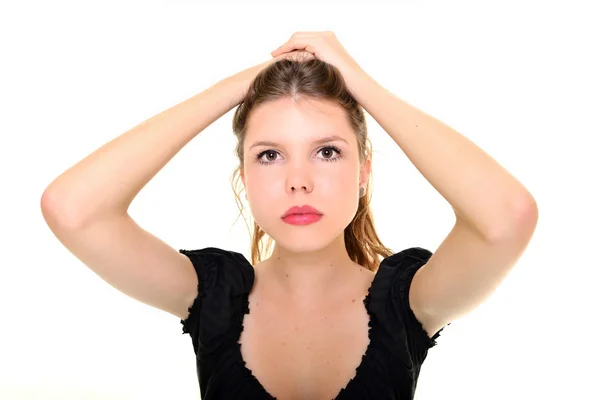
(327, 152)
(268, 156)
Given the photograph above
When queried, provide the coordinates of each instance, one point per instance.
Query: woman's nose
(299, 177)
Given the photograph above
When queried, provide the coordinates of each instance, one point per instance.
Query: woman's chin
(304, 241)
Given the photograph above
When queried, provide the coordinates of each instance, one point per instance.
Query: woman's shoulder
(213, 262)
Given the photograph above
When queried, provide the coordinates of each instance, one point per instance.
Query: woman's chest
(300, 356)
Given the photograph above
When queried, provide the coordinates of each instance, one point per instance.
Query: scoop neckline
(366, 302)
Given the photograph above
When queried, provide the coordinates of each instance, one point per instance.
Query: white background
(518, 78)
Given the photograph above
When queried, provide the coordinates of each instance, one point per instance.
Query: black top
(389, 369)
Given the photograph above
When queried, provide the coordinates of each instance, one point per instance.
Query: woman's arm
(495, 214)
(86, 206)
(106, 181)
(481, 192)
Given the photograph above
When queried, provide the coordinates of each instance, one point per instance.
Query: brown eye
(328, 153)
(271, 156)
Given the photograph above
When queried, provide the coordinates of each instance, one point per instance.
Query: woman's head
(302, 140)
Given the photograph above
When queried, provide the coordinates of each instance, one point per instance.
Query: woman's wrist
(240, 82)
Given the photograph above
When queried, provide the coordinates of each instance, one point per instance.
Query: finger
(297, 36)
(298, 56)
(289, 46)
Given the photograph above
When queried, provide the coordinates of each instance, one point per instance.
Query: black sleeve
(407, 263)
(223, 277)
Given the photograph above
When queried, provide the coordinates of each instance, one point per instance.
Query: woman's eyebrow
(332, 138)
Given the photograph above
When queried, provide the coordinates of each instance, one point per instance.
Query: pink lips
(302, 215)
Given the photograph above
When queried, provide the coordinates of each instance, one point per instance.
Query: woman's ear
(365, 171)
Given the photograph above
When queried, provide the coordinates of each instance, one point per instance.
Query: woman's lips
(302, 215)
(305, 209)
(302, 219)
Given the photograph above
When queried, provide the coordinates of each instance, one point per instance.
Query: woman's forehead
(290, 120)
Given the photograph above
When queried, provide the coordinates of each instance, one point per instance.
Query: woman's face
(300, 153)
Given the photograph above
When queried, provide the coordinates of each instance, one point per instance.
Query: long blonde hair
(317, 80)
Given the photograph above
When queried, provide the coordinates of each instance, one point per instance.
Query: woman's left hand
(326, 47)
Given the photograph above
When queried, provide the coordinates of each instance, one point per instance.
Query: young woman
(329, 312)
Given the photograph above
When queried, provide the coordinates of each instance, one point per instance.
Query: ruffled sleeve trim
(224, 279)
(205, 270)
(396, 273)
